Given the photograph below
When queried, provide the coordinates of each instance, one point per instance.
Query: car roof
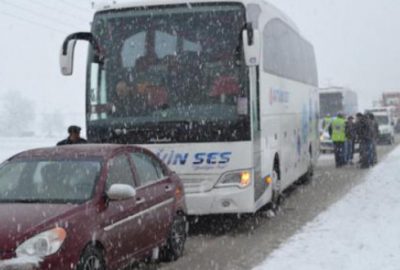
(76, 151)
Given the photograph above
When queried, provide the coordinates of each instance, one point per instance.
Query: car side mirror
(120, 192)
(251, 45)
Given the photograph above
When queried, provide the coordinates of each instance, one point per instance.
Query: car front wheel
(176, 239)
(91, 259)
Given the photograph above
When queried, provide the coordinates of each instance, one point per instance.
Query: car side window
(147, 168)
(119, 172)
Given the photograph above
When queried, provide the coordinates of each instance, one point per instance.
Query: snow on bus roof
(270, 9)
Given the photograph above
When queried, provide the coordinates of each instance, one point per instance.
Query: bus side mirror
(68, 48)
(67, 58)
(251, 45)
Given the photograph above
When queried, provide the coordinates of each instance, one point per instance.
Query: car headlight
(241, 179)
(42, 244)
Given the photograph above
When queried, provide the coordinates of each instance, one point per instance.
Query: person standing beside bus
(375, 136)
(351, 136)
(364, 136)
(74, 136)
(337, 130)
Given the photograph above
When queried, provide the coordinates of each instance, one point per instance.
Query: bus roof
(272, 11)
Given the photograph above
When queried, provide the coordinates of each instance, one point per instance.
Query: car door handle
(140, 200)
(168, 188)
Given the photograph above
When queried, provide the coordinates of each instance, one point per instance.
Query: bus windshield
(172, 73)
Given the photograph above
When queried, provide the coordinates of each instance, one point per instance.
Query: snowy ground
(12, 145)
(361, 231)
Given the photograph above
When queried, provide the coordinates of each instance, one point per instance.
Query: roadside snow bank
(361, 231)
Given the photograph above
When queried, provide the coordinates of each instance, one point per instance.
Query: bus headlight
(241, 179)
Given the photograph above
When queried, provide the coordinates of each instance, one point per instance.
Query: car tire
(91, 259)
(175, 244)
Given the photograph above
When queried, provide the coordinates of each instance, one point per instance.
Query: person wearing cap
(74, 136)
(364, 133)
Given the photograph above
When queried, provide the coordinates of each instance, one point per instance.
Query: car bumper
(36, 263)
(326, 146)
(21, 263)
(221, 201)
(385, 137)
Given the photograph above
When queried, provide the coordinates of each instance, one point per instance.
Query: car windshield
(382, 119)
(48, 181)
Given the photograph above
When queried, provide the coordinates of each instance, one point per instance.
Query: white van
(386, 122)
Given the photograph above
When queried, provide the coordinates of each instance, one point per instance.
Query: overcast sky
(357, 45)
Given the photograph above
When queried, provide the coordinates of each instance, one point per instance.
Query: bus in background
(225, 92)
(336, 99)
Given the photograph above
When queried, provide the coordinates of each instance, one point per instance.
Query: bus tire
(276, 199)
(308, 176)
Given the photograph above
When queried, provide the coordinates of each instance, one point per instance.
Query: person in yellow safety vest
(337, 130)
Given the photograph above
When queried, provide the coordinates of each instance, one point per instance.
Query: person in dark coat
(74, 137)
(351, 137)
(375, 136)
(364, 136)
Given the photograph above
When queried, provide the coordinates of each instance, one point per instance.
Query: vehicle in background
(392, 99)
(225, 92)
(333, 100)
(386, 120)
(88, 207)
(326, 143)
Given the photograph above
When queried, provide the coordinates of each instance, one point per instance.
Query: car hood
(19, 221)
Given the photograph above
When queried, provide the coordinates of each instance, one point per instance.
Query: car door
(123, 228)
(158, 190)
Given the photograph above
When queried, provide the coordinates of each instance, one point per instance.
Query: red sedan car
(88, 207)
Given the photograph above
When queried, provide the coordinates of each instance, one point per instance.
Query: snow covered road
(361, 231)
(223, 242)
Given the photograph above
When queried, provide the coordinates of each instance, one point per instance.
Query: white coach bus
(225, 92)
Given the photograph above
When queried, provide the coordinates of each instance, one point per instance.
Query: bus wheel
(276, 189)
(308, 176)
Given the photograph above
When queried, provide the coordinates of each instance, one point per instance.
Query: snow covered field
(12, 145)
(361, 231)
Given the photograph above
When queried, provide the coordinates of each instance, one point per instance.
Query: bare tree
(17, 114)
(53, 124)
